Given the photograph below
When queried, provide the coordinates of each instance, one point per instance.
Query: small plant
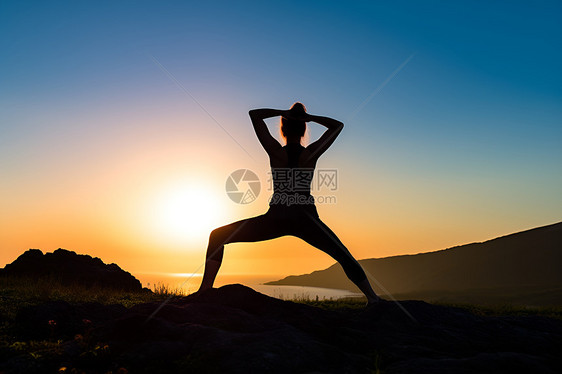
(162, 289)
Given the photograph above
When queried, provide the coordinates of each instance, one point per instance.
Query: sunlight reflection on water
(189, 283)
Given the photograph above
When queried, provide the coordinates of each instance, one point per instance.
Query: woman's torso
(292, 170)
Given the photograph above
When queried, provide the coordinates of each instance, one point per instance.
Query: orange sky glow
(120, 124)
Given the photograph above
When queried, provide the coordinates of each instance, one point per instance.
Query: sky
(120, 123)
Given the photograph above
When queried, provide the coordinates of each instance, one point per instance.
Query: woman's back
(291, 176)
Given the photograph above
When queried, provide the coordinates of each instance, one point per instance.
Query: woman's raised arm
(325, 141)
(268, 142)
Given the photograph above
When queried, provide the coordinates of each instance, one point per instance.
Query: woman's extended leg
(247, 230)
(317, 233)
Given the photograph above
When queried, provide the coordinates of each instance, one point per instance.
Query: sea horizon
(189, 283)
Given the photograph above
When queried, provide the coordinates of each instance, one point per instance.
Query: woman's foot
(211, 269)
(365, 287)
(201, 290)
(373, 301)
(195, 295)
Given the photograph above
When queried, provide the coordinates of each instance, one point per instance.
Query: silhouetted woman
(291, 207)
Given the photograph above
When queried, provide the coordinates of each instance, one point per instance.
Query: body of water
(189, 283)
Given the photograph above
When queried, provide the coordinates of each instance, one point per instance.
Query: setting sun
(187, 213)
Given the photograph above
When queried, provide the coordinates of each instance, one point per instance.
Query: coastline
(189, 283)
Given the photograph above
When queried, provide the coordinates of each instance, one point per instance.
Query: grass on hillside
(17, 294)
(509, 310)
(47, 353)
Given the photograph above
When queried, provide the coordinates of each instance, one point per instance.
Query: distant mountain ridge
(68, 267)
(524, 267)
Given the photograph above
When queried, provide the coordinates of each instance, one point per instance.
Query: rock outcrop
(67, 267)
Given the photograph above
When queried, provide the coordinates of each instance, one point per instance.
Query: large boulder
(68, 267)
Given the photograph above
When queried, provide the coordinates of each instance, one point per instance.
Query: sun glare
(188, 213)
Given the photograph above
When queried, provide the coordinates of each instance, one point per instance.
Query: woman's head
(291, 127)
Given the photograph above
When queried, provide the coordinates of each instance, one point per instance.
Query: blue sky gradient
(469, 131)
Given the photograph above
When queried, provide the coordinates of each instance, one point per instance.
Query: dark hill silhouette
(521, 268)
(70, 268)
(234, 329)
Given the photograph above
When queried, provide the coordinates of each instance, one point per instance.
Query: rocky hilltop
(234, 329)
(68, 267)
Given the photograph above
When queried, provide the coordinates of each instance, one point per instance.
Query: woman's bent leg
(248, 230)
(317, 233)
